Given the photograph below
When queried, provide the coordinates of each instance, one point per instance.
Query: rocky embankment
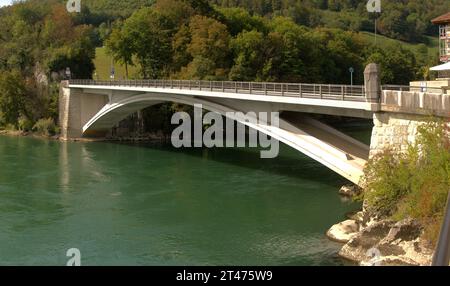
(371, 241)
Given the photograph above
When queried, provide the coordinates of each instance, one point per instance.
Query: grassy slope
(331, 18)
(103, 67)
(432, 44)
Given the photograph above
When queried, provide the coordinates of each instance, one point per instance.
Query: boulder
(405, 230)
(389, 243)
(343, 232)
(350, 191)
(357, 249)
(359, 217)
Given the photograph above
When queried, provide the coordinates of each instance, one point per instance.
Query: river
(150, 204)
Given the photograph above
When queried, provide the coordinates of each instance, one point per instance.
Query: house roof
(444, 19)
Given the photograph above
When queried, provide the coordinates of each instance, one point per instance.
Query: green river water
(154, 205)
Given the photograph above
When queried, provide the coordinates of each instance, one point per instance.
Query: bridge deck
(299, 90)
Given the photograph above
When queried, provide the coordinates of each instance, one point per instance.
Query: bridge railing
(302, 90)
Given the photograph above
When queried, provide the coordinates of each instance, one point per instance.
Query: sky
(5, 2)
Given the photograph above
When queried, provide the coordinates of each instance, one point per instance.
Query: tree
(180, 43)
(118, 46)
(339, 50)
(210, 39)
(249, 59)
(256, 56)
(239, 20)
(178, 11)
(398, 66)
(209, 48)
(147, 36)
(78, 54)
(58, 27)
(12, 96)
(297, 51)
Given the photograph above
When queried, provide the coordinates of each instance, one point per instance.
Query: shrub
(414, 184)
(25, 124)
(10, 127)
(45, 127)
(2, 121)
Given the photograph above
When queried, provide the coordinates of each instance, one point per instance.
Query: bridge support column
(394, 131)
(76, 109)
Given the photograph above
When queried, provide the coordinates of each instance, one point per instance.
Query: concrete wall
(418, 103)
(76, 109)
(394, 131)
(402, 113)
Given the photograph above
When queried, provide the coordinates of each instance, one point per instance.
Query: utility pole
(374, 6)
(376, 31)
(112, 71)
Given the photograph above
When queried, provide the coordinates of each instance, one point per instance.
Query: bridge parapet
(414, 102)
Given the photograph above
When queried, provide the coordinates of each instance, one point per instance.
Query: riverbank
(158, 136)
(143, 138)
(373, 241)
(18, 133)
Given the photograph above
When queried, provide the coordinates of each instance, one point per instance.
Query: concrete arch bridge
(91, 108)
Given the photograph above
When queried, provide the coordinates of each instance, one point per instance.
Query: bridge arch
(287, 133)
(125, 107)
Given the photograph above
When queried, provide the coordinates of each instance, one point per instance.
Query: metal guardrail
(442, 254)
(314, 91)
(413, 88)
